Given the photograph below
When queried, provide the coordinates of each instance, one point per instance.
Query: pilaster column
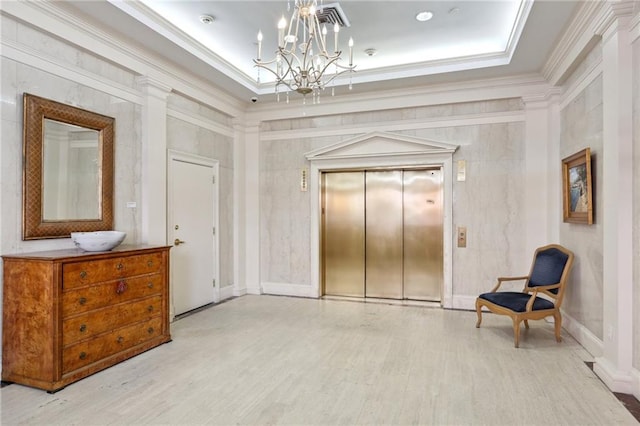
(252, 208)
(154, 160)
(536, 172)
(239, 210)
(614, 367)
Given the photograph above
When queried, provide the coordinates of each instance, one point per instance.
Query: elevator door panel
(383, 239)
(343, 233)
(423, 234)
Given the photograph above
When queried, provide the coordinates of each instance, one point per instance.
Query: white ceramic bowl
(98, 241)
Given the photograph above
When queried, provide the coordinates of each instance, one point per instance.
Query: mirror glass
(70, 172)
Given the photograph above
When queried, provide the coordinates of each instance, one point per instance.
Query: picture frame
(577, 188)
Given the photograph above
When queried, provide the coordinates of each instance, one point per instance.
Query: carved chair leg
(557, 322)
(479, 312)
(526, 323)
(516, 332)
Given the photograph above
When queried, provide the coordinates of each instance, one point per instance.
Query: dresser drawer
(89, 351)
(85, 299)
(79, 274)
(102, 320)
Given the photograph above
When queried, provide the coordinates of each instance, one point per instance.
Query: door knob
(178, 241)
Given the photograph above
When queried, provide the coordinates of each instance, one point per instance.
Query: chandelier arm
(318, 30)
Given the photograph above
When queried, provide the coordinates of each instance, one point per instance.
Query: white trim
(466, 303)
(287, 289)
(581, 83)
(28, 56)
(397, 125)
(173, 155)
(201, 122)
(52, 18)
(634, 28)
(582, 334)
(226, 292)
(616, 380)
(635, 385)
(427, 158)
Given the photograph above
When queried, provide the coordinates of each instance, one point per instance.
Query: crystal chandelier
(303, 62)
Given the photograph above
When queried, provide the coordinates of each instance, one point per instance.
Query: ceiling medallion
(304, 62)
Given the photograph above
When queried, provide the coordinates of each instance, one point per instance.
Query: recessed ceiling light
(424, 16)
(207, 19)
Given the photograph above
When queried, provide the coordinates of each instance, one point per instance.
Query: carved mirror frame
(36, 110)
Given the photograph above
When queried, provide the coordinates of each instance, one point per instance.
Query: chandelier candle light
(312, 68)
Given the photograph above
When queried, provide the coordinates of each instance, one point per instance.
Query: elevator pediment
(378, 144)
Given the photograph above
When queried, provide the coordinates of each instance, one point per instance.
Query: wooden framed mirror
(67, 170)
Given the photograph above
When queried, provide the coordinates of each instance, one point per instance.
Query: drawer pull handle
(82, 300)
(150, 330)
(150, 308)
(83, 328)
(83, 355)
(120, 339)
(119, 266)
(83, 274)
(150, 263)
(150, 285)
(122, 287)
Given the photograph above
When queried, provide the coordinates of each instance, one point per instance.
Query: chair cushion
(516, 301)
(548, 268)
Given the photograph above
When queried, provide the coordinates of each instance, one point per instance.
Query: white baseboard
(586, 338)
(616, 381)
(635, 383)
(287, 289)
(468, 303)
(252, 290)
(226, 292)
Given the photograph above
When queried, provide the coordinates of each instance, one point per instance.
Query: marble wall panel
(189, 138)
(636, 197)
(581, 127)
(490, 203)
(18, 79)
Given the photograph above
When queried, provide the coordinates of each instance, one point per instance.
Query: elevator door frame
(371, 287)
(379, 149)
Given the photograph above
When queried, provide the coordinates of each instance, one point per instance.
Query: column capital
(152, 87)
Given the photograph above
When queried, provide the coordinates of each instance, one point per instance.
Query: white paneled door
(192, 220)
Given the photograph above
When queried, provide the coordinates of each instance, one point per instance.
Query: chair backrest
(551, 265)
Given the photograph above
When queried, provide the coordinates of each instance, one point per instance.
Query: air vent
(331, 13)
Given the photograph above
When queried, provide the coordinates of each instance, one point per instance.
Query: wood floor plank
(277, 360)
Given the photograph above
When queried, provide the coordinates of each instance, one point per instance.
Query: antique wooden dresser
(68, 314)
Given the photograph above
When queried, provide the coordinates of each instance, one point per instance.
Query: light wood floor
(278, 360)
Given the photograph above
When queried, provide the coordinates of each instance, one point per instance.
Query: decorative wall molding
(616, 380)
(577, 39)
(451, 93)
(379, 149)
(396, 126)
(581, 83)
(200, 121)
(52, 18)
(28, 56)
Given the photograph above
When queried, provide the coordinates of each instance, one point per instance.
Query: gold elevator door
(382, 233)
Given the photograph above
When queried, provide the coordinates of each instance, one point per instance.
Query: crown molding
(51, 18)
(579, 37)
(590, 24)
(445, 93)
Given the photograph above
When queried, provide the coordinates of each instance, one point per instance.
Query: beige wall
(489, 203)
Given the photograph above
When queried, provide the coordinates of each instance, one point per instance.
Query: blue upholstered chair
(548, 277)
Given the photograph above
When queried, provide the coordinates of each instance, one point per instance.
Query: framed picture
(577, 189)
